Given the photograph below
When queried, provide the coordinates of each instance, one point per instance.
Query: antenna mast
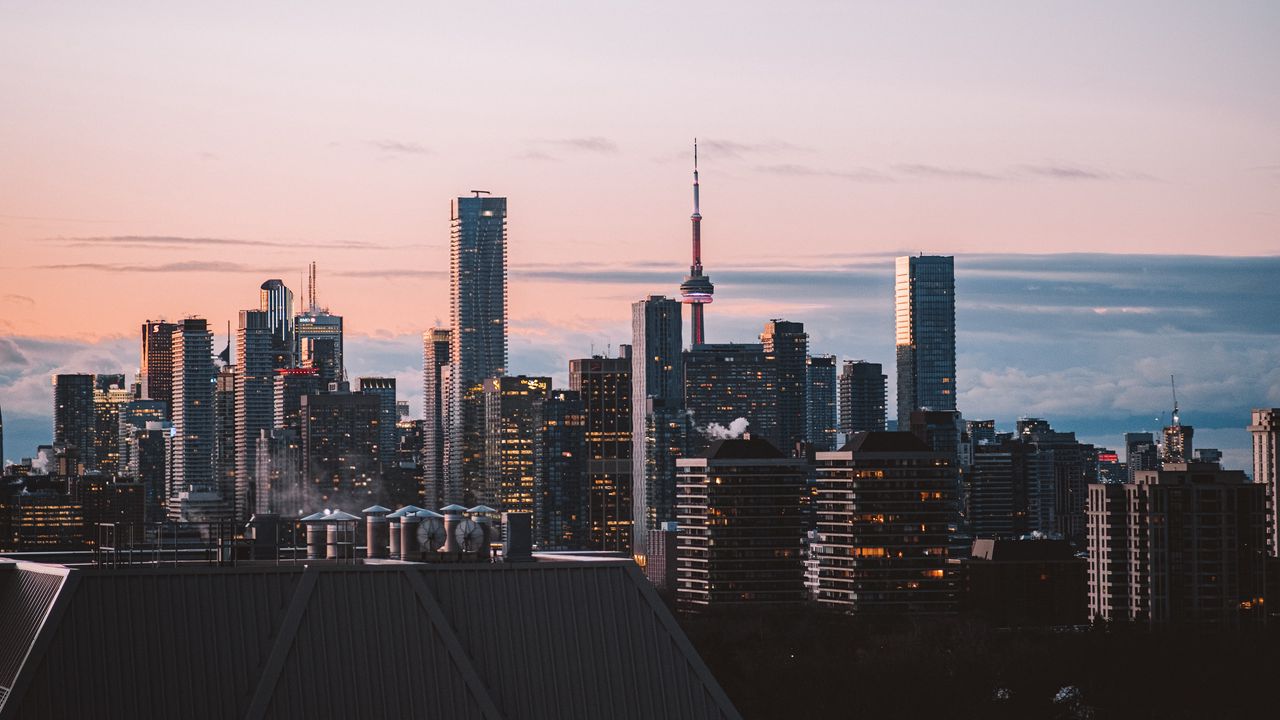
(1173, 386)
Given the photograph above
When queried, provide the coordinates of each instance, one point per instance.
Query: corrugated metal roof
(540, 640)
(26, 595)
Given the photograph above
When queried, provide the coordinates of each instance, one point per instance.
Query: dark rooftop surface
(1021, 550)
(744, 449)
(576, 639)
(884, 441)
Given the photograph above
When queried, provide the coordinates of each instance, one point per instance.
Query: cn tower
(696, 288)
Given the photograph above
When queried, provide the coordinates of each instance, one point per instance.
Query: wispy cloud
(400, 147)
(735, 149)
(18, 299)
(944, 173)
(1073, 172)
(591, 144)
(392, 273)
(186, 266)
(794, 170)
(175, 241)
(536, 155)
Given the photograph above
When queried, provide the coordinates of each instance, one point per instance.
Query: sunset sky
(1108, 175)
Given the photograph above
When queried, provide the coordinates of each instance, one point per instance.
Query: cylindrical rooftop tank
(409, 546)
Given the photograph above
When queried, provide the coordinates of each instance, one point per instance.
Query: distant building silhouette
(925, 321)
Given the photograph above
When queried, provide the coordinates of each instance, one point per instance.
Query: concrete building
(604, 385)
(257, 360)
(561, 512)
(224, 442)
(740, 527)
(73, 415)
(511, 409)
(786, 347)
(1264, 429)
(340, 435)
(478, 332)
(925, 322)
(385, 389)
(435, 355)
(290, 385)
(887, 511)
(1186, 543)
(107, 403)
(192, 466)
(728, 383)
(657, 374)
(864, 397)
(155, 374)
(1140, 453)
(821, 426)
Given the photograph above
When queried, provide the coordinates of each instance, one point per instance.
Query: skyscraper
(786, 346)
(1140, 453)
(257, 344)
(193, 409)
(276, 301)
(657, 374)
(1265, 431)
(560, 492)
(821, 426)
(925, 321)
(224, 442)
(696, 290)
(318, 338)
(73, 416)
(864, 390)
(512, 406)
(156, 369)
(728, 383)
(385, 389)
(478, 331)
(107, 402)
(340, 433)
(604, 385)
(435, 355)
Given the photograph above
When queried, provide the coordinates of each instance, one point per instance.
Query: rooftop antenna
(1174, 387)
(311, 288)
(481, 192)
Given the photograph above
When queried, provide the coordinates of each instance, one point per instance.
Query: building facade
(604, 386)
(822, 426)
(657, 373)
(786, 347)
(257, 344)
(864, 400)
(925, 334)
(155, 374)
(1264, 429)
(73, 415)
(512, 406)
(193, 418)
(435, 355)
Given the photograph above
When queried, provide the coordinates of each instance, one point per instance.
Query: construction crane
(1174, 387)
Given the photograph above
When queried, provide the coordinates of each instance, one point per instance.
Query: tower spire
(696, 289)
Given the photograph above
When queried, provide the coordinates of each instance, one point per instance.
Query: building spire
(696, 288)
(695, 179)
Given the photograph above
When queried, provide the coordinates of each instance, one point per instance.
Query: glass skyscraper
(925, 324)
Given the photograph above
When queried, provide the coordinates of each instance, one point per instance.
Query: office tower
(992, 509)
(657, 373)
(560, 500)
(740, 527)
(192, 466)
(1111, 470)
(1140, 453)
(1177, 443)
(1186, 543)
(864, 390)
(435, 355)
(1065, 470)
(73, 416)
(1264, 429)
(668, 436)
(604, 385)
(925, 321)
(981, 432)
(290, 385)
(786, 347)
(107, 381)
(156, 371)
(146, 446)
(696, 290)
(1208, 455)
(340, 434)
(821, 427)
(276, 301)
(317, 338)
(107, 403)
(478, 334)
(726, 383)
(257, 346)
(886, 514)
(385, 389)
(511, 407)
(225, 436)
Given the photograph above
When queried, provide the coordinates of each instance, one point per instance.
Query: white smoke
(716, 431)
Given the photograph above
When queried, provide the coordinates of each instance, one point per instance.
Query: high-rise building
(740, 527)
(657, 373)
(145, 444)
(224, 442)
(728, 383)
(786, 347)
(478, 333)
(1065, 470)
(435, 355)
(73, 416)
(317, 338)
(257, 359)
(155, 374)
(511, 409)
(668, 437)
(340, 435)
(1265, 431)
(864, 390)
(696, 290)
(385, 389)
(1177, 443)
(560, 499)
(925, 321)
(604, 385)
(192, 466)
(290, 385)
(276, 301)
(107, 403)
(821, 427)
(993, 508)
(886, 515)
(1140, 453)
(1186, 543)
